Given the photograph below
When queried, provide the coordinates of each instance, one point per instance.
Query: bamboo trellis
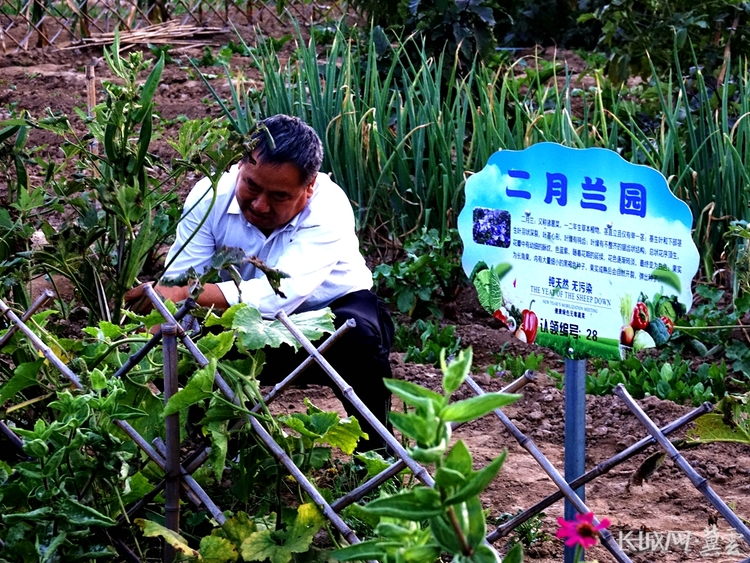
(177, 471)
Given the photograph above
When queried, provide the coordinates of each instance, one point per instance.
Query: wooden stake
(91, 101)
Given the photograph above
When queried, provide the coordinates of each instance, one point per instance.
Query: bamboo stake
(698, 482)
(257, 427)
(46, 295)
(12, 436)
(346, 389)
(200, 455)
(91, 101)
(172, 433)
(600, 469)
(192, 463)
(356, 494)
(136, 358)
(131, 432)
(528, 444)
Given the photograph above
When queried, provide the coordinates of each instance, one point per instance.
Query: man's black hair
(296, 143)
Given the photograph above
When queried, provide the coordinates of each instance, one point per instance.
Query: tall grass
(402, 131)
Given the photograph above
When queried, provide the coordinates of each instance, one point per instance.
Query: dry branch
(170, 32)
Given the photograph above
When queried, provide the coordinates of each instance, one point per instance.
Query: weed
(528, 533)
(673, 381)
(429, 273)
(515, 366)
(423, 340)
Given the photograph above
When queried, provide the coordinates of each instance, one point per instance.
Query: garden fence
(177, 471)
(28, 24)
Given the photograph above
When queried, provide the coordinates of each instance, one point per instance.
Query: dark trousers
(360, 356)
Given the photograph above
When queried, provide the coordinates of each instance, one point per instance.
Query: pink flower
(581, 531)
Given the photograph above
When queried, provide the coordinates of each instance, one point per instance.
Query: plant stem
(714, 327)
(465, 549)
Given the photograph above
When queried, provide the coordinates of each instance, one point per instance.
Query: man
(295, 219)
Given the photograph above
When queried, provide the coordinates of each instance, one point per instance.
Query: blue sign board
(591, 253)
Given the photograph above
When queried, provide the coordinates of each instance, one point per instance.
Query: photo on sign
(491, 227)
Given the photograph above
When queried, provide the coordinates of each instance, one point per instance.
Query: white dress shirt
(318, 248)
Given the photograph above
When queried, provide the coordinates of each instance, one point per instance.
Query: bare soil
(646, 515)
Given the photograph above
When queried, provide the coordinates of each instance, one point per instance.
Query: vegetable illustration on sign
(529, 325)
(583, 231)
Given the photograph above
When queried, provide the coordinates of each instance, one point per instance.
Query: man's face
(270, 195)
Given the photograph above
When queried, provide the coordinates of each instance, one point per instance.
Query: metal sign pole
(575, 434)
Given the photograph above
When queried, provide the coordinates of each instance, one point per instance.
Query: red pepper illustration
(640, 318)
(669, 324)
(529, 323)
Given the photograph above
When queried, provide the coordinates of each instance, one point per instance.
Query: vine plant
(452, 507)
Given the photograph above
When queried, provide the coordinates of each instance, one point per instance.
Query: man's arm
(136, 299)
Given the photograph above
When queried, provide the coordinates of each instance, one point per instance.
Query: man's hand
(137, 301)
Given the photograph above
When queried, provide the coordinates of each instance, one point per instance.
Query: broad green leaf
(413, 394)
(239, 527)
(24, 376)
(478, 481)
(476, 407)
(405, 300)
(36, 448)
(373, 462)
(149, 88)
(112, 331)
(153, 530)
(370, 549)
(667, 277)
(411, 505)
(712, 428)
(477, 526)
(5, 472)
(219, 446)
(446, 477)
(393, 531)
(227, 318)
(261, 546)
(307, 523)
(313, 324)
(136, 487)
(429, 455)
(459, 459)
(98, 380)
(216, 345)
(455, 373)
(486, 554)
(199, 387)
(421, 553)
(515, 555)
(82, 515)
(254, 333)
(30, 516)
(322, 422)
(482, 285)
(413, 426)
(299, 422)
(154, 317)
(48, 552)
(125, 412)
(214, 549)
(443, 531)
(345, 435)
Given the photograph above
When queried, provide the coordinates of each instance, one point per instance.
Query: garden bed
(663, 507)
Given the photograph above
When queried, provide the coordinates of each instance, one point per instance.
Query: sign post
(582, 252)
